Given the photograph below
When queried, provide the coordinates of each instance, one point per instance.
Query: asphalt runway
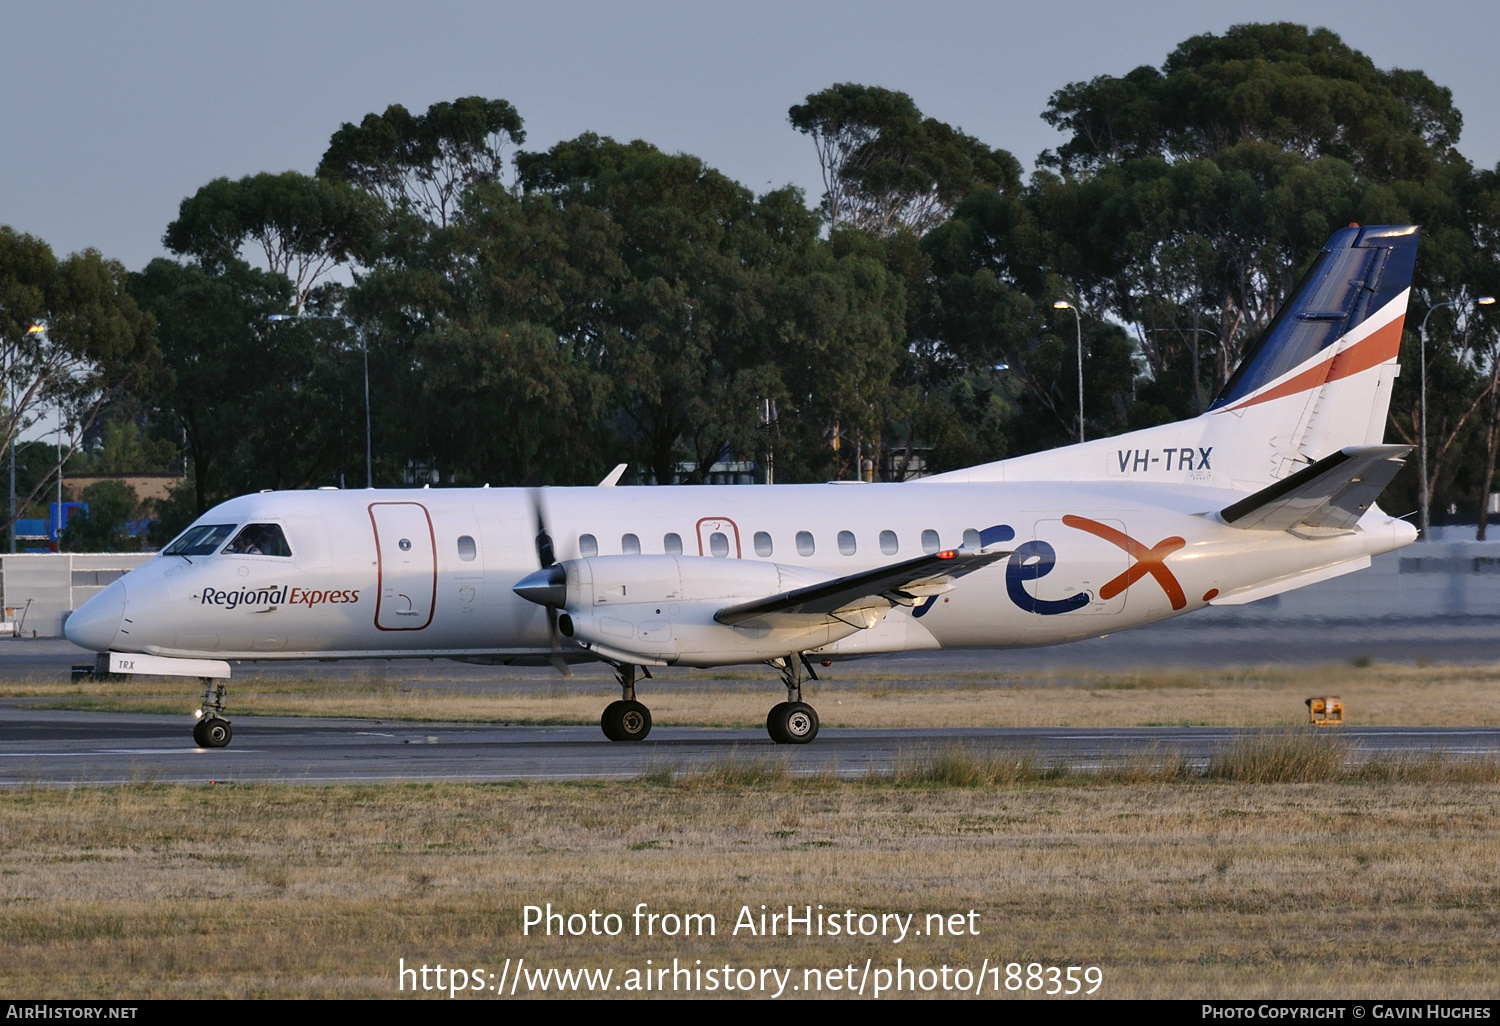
(51, 747)
(54, 747)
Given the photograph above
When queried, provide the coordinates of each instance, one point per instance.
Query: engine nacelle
(659, 610)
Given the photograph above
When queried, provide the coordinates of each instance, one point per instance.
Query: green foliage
(121, 447)
(72, 342)
(618, 303)
(172, 515)
(36, 474)
(1301, 91)
(721, 300)
(422, 163)
(886, 167)
(102, 527)
(303, 226)
(261, 404)
(1191, 197)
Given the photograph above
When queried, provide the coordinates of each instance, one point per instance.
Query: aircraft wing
(1327, 496)
(862, 599)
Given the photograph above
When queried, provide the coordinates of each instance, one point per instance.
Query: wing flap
(1328, 496)
(861, 599)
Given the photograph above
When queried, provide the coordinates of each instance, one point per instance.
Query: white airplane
(1272, 489)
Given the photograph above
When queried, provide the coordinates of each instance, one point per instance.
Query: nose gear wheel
(212, 730)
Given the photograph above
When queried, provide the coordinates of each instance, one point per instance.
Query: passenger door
(406, 549)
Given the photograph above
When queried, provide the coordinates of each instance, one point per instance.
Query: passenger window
(466, 549)
(588, 545)
(630, 545)
(930, 541)
(888, 544)
(259, 540)
(805, 545)
(203, 540)
(718, 545)
(762, 543)
(673, 544)
(846, 543)
(971, 539)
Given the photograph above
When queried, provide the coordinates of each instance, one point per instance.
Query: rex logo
(1034, 560)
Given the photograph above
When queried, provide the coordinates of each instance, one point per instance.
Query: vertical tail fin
(1317, 380)
(1327, 363)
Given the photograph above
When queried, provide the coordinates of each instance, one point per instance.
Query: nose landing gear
(212, 730)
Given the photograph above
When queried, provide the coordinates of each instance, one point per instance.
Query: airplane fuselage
(431, 572)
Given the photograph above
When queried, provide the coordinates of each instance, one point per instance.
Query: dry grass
(961, 767)
(1193, 888)
(860, 695)
(1307, 756)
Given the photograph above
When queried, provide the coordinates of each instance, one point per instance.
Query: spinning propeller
(548, 587)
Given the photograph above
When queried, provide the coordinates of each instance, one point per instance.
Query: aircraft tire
(212, 732)
(773, 723)
(626, 721)
(792, 723)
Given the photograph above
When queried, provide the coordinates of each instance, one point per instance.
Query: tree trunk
(1491, 438)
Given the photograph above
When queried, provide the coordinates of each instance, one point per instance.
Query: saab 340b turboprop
(1272, 489)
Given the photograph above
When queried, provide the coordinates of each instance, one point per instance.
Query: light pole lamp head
(1062, 304)
(273, 318)
(1485, 300)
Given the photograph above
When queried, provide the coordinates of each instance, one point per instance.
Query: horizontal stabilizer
(1328, 496)
(862, 598)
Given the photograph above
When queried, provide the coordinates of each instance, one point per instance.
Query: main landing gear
(212, 730)
(792, 722)
(627, 719)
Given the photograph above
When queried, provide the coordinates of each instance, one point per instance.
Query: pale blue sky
(111, 113)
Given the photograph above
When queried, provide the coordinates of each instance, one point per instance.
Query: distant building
(148, 488)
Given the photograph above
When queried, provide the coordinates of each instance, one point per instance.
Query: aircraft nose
(94, 624)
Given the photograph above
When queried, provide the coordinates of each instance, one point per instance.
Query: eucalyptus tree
(887, 167)
(303, 227)
(423, 163)
(71, 341)
(259, 404)
(1188, 198)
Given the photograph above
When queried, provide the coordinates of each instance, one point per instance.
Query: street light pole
(364, 348)
(13, 431)
(1063, 304)
(1424, 499)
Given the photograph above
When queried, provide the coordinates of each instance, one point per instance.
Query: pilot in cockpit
(259, 540)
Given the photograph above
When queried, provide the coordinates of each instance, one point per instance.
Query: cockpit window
(259, 540)
(200, 540)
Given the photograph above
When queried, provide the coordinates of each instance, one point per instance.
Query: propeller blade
(545, 555)
(546, 588)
